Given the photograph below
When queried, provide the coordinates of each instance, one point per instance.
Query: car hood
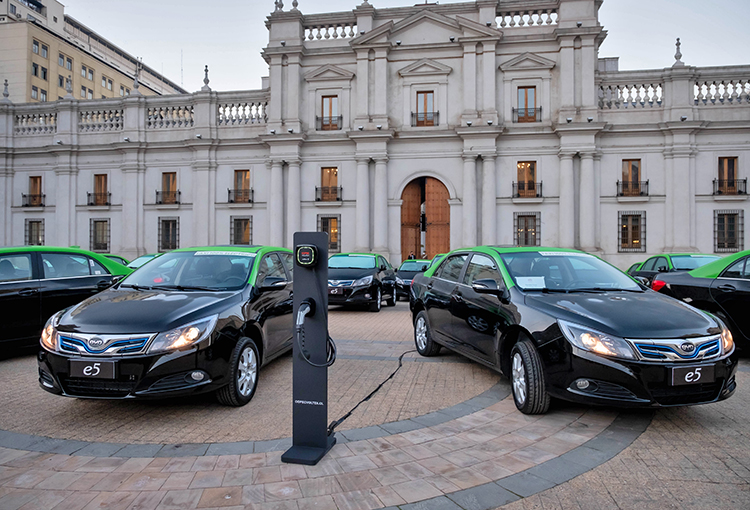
(627, 314)
(128, 311)
(349, 274)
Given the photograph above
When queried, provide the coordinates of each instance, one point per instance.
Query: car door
(275, 320)
(731, 291)
(477, 317)
(286, 307)
(20, 302)
(387, 277)
(68, 279)
(648, 269)
(438, 295)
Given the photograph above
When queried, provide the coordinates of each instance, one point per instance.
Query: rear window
(688, 262)
(15, 267)
(413, 265)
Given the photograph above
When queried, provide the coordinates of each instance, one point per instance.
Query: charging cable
(307, 307)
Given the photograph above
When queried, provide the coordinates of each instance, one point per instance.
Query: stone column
(380, 104)
(587, 204)
(361, 114)
(362, 237)
(380, 206)
(489, 92)
(469, 212)
(202, 203)
(276, 83)
(470, 79)
(489, 207)
(64, 228)
(682, 199)
(566, 211)
(276, 205)
(293, 199)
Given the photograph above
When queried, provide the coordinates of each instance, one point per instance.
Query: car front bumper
(354, 296)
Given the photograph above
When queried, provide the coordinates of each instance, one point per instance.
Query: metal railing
(527, 189)
(521, 115)
(425, 119)
(98, 198)
(730, 187)
(329, 123)
(168, 197)
(32, 200)
(328, 193)
(632, 188)
(240, 196)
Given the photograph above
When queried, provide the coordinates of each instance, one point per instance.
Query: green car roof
(111, 266)
(236, 248)
(353, 253)
(715, 268)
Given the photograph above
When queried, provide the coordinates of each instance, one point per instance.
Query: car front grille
(97, 387)
(340, 283)
(611, 390)
(673, 349)
(103, 345)
(691, 394)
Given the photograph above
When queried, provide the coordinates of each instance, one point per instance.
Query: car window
(270, 266)
(212, 270)
(413, 265)
(688, 262)
(65, 265)
(288, 259)
(737, 270)
(661, 262)
(353, 261)
(15, 267)
(649, 265)
(97, 268)
(481, 267)
(450, 269)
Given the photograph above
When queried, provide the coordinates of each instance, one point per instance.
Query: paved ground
(443, 434)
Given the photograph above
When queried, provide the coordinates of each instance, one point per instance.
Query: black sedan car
(721, 287)
(671, 262)
(405, 273)
(190, 321)
(563, 323)
(361, 279)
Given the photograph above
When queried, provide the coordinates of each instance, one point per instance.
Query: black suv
(190, 321)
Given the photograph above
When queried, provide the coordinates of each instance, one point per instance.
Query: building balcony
(32, 200)
(732, 187)
(521, 115)
(329, 123)
(421, 119)
(632, 188)
(240, 196)
(527, 189)
(328, 193)
(168, 197)
(93, 199)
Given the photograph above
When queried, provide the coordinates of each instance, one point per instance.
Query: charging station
(312, 351)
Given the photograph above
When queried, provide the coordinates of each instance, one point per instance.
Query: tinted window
(451, 268)
(688, 262)
(661, 262)
(15, 267)
(215, 270)
(65, 265)
(737, 270)
(351, 262)
(270, 266)
(288, 259)
(414, 265)
(97, 268)
(649, 265)
(481, 267)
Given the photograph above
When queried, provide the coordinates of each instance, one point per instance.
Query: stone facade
(585, 122)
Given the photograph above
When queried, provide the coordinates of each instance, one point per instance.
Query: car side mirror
(383, 268)
(662, 269)
(424, 267)
(489, 286)
(117, 278)
(273, 283)
(642, 280)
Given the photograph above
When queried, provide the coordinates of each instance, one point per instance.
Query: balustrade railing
(425, 119)
(166, 117)
(632, 188)
(624, 96)
(240, 196)
(527, 114)
(168, 197)
(328, 193)
(35, 123)
(527, 18)
(721, 92)
(730, 187)
(98, 199)
(317, 32)
(239, 113)
(527, 189)
(329, 123)
(32, 199)
(100, 120)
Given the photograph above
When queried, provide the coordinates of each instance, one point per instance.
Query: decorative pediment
(329, 72)
(527, 61)
(425, 67)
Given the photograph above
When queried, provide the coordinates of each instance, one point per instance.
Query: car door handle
(727, 288)
(103, 285)
(28, 292)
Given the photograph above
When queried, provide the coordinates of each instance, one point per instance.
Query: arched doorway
(425, 218)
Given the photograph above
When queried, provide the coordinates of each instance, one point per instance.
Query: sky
(179, 37)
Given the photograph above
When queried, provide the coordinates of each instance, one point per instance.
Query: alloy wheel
(247, 372)
(421, 333)
(519, 379)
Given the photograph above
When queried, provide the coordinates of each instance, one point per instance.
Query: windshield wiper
(604, 289)
(135, 286)
(548, 291)
(182, 287)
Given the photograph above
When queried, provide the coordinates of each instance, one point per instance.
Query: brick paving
(471, 451)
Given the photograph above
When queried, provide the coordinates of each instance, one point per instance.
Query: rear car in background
(191, 321)
(37, 281)
(405, 273)
(117, 258)
(138, 262)
(361, 279)
(565, 324)
(671, 262)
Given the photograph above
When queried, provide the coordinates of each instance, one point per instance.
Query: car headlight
(727, 342)
(362, 282)
(49, 333)
(596, 341)
(399, 281)
(184, 336)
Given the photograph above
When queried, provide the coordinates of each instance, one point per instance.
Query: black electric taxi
(37, 281)
(721, 287)
(361, 279)
(405, 273)
(671, 262)
(566, 324)
(191, 321)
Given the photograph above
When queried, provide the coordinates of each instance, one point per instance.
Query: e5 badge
(307, 255)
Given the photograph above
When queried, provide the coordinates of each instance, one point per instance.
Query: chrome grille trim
(659, 350)
(112, 345)
(340, 283)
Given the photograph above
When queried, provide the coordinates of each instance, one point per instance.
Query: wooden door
(437, 215)
(410, 219)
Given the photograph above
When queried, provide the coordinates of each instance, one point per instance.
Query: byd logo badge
(687, 347)
(95, 342)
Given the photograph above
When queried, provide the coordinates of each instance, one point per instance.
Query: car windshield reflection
(351, 262)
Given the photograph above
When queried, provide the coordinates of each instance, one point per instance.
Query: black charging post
(310, 439)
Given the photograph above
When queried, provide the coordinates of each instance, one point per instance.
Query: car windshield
(688, 262)
(565, 272)
(140, 261)
(413, 265)
(351, 262)
(193, 270)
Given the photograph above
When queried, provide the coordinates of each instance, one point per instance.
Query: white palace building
(421, 128)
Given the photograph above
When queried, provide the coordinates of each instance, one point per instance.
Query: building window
(728, 183)
(122, 90)
(35, 47)
(527, 228)
(109, 84)
(631, 178)
(426, 115)
(241, 192)
(90, 94)
(44, 73)
(101, 192)
(83, 92)
(729, 231)
(12, 9)
(104, 82)
(527, 110)
(42, 95)
(45, 51)
(99, 235)
(34, 92)
(329, 114)
(68, 63)
(169, 234)
(60, 81)
(34, 233)
(35, 198)
(34, 69)
(91, 74)
(61, 60)
(83, 71)
(632, 231)
(241, 230)
(527, 186)
(329, 190)
(332, 225)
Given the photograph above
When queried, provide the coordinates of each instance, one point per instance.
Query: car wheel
(527, 379)
(423, 338)
(392, 300)
(375, 306)
(244, 366)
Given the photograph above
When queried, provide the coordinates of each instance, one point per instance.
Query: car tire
(392, 300)
(527, 379)
(243, 372)
(426, 346)
(375, 305)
